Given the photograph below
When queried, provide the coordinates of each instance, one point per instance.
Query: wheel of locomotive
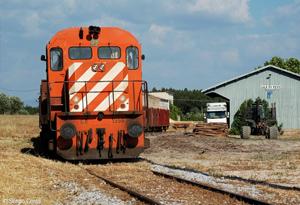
(246, 131)
(273, 132)
(42, 147)
(46, 135)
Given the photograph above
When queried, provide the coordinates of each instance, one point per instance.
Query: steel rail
(251, 181)
(239, 197)
(135, 194)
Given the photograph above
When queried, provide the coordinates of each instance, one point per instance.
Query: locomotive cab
(91, 104)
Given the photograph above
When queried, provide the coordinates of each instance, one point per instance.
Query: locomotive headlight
(135, 130)
(76, 99)
(68, 130)
(123, 98)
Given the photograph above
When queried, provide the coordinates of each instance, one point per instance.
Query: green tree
(293, 64)
(15, 104)
(154, 89)
(277, 61)
(174, 112)
(290, 64)
(190, 103)
(4, 104)
(31, 110)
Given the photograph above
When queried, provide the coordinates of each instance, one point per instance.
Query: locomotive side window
(56, 56)
(80, 53)
(109, 52)
(132, 57)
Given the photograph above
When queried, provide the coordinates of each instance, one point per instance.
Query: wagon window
(56, 59)
(80, 53)
(109, 52)
(132, 59)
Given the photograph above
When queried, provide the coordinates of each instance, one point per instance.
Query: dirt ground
(27, 178)
(274, 161)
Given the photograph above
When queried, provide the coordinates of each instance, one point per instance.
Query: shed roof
(262, 69)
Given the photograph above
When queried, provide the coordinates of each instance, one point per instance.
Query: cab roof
(107, 35)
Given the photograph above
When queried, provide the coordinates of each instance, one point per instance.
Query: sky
(192, 44)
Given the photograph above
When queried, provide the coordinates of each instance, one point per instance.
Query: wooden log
(211, 129)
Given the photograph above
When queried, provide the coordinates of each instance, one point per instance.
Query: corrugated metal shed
(271, 83)
(160, 100)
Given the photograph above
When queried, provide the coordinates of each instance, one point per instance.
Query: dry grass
(16, 126)
(29, 179)
(23, 177)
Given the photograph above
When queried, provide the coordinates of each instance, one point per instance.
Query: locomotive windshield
(109, 52)
(132, 59)
(56, 59)
(80, 53)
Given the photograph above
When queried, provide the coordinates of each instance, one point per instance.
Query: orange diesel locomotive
(91, 104)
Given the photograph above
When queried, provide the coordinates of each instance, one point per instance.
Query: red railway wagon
(157, 119)
(91, 102)
(157, 114)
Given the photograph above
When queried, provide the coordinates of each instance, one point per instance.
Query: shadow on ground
(36, 148)
(38, 151)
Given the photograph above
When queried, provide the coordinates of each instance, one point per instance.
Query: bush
(174, 112)
(240, 116)
(23, 112)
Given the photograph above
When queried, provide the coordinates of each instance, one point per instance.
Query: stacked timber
(211, 129)
(178, 125)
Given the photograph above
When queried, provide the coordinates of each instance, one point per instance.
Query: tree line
(14, 105)
(188, 105)
(290, 64)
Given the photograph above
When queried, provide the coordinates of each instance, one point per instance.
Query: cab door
(56, 78)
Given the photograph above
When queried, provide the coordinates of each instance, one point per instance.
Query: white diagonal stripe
(72, 68)
(76, 87)
(99, 87)
(113, 96)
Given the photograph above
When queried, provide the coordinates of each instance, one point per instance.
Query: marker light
(76, 99)
(123, 98)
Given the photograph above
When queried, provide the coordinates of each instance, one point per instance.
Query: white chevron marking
(99, 87)
(113, 96)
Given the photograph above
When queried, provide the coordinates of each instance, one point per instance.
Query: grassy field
(15, 126)
(24, 177)
(27, 178)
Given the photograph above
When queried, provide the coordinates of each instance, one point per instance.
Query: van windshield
(216, 114)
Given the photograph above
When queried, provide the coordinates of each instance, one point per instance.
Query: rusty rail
(239, 197)
(135, 194)
(230, 177)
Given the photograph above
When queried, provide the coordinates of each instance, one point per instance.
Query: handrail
(65, 94)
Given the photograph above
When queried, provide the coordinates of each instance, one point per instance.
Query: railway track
(148, 200)
(239, 197)
(131, 192)
(251, 181)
